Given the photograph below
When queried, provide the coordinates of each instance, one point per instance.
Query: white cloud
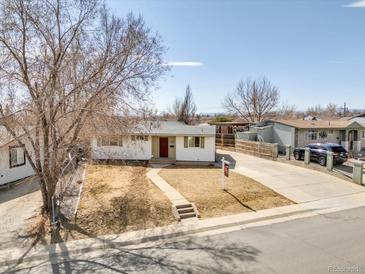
(357, 4)
(185, 64)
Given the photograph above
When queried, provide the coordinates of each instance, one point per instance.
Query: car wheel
(297, 155)
(322, 161)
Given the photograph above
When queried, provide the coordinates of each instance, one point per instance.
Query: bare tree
(287, 111)
(184, 109)
(330, 111)
(316, 110)
(252, 99)
(62, 61)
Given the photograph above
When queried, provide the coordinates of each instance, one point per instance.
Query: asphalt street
(322, 244)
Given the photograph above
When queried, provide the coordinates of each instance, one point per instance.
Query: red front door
(164, 147)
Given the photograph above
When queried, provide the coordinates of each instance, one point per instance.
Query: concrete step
(183, 206)
(185, 210)
(187, 215)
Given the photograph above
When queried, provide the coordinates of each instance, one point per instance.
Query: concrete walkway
(19, 205)
(298, 184)
(174, 196)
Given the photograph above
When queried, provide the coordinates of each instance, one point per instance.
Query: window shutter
(185, 141)
(202, 142)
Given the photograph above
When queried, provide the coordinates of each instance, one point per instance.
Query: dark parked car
(318, 153)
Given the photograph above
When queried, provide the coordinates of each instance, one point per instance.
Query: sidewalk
(296, 183)
(213, 225)
(174, 196)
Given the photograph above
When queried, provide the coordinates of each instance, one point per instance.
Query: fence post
(287, 152)
(358, 172)
(329, 161)
(222, 142)
(307, 155)
(275, 151)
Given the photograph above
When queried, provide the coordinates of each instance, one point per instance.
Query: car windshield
(338, 149)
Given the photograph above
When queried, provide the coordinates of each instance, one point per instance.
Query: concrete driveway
(298, 184)
(19, 204)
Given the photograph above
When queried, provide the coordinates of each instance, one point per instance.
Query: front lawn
(117, 199)
(202, 186)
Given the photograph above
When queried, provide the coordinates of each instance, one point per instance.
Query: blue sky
(313, 50)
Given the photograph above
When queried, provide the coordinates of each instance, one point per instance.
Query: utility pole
(344, 109)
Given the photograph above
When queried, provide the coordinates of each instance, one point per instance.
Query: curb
(54, 251)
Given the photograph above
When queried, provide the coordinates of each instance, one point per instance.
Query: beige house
(347, 132)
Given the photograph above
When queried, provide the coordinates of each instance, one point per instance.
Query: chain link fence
(68, 189)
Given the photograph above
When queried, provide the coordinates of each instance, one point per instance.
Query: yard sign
(225, 171)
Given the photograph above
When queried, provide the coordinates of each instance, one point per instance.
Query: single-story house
(13, 163)
(349, 133)
(168, 141)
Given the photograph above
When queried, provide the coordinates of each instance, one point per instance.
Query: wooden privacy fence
(257, 148)
(224, 140)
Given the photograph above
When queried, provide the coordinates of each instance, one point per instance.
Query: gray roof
(175, 128)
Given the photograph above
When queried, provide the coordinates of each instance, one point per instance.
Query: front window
(139, 138)
(323, 134)
(16, 156)
(194, 141)
(312, 135)
(104, 141)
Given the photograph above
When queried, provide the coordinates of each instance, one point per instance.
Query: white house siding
(206, 154)
(131, 150)
(7, 174)
(333, 136)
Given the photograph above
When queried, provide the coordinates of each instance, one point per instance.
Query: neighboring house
(226, 131)
(13, 163)
(230, 127)
(169, 141)
(360, 118)
(349, 133)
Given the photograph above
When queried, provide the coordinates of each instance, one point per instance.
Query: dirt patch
(117, 199)
(202, 186)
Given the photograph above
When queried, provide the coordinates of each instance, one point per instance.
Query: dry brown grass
(117, 199)
(202, 186)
